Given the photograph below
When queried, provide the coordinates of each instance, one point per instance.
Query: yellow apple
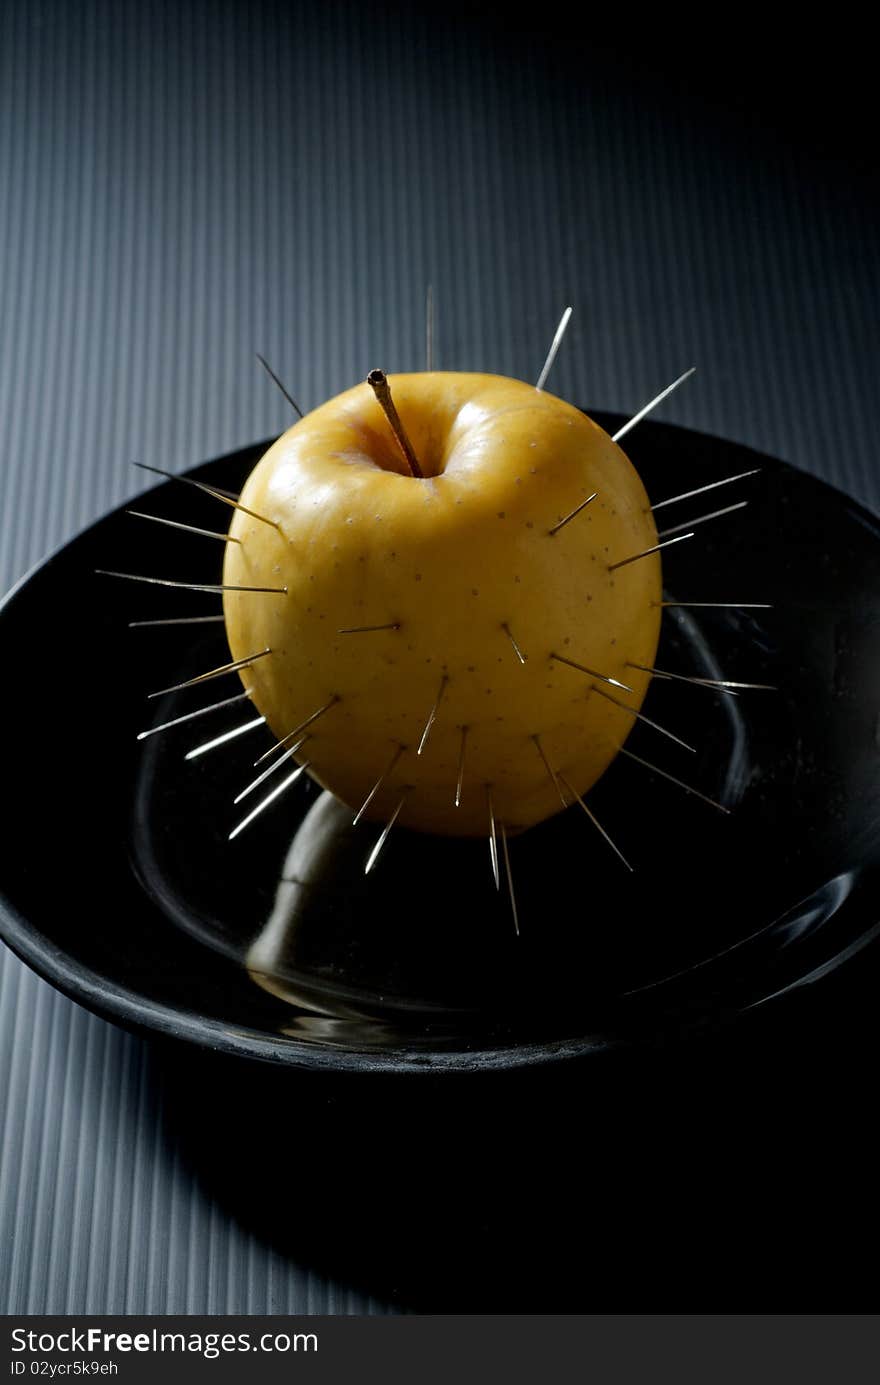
(464, 604)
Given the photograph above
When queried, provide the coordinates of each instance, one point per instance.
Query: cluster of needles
(295, 740)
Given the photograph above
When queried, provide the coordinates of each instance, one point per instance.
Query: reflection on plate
(122, 888)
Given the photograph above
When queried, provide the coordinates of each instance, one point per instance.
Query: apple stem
(378, 382)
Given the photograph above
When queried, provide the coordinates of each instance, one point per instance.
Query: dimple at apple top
(186, 185)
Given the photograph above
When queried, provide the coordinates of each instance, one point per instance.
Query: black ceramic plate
(121, 888)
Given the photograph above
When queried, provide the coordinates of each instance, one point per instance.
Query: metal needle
(640, 716)
(270, 798)
(291, 735)
(597, 824)
(672, 779)
(231, 667)
(190, 716)
(368, 629)
(554, 347)
(700, 490)
(227, 736)
(721, 605)
(493, 838)
(274, 378)
(218, 494)
(646, 553)
(516, 649)
(177, 620)
(188, 528)
(214, 587)
(552, 773)
(378, 784)
(582, 668)
(432, 714)
(460, 781)
(719, 684)
(255, 783)
(692, 523)
(576, 511)
(508, 872)
(658, 399)
(374, 854)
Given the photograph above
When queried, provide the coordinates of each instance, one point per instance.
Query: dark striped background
(182, 184)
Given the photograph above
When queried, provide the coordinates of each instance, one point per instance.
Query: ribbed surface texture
(183, 184)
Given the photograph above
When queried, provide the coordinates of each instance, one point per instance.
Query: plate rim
(104, 997)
